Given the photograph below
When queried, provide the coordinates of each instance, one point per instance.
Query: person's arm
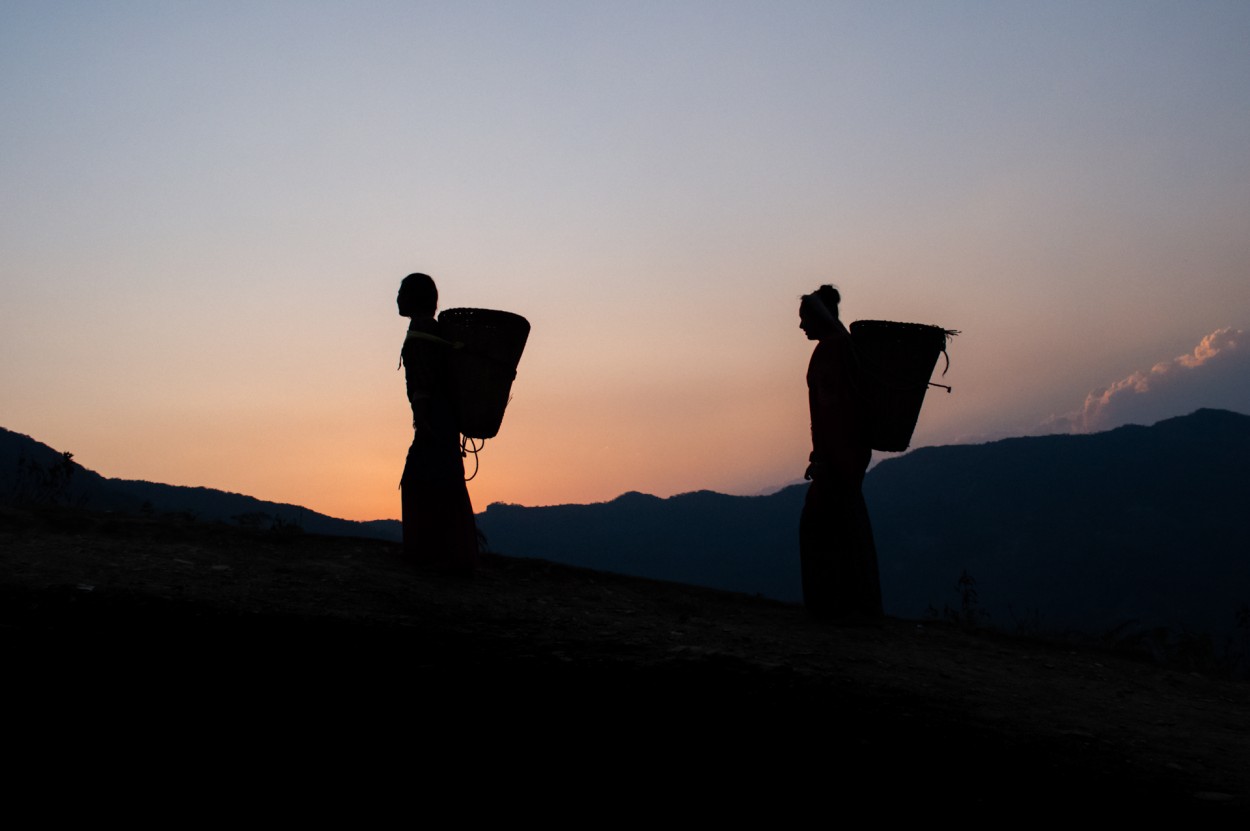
(837, 442)
(419, 376)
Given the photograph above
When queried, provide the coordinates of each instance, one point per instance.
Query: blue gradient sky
(207, 209)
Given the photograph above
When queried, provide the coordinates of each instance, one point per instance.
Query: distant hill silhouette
(740, 543)
(24, 462)
(1138, 524)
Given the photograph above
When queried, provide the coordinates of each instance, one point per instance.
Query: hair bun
(829, 296)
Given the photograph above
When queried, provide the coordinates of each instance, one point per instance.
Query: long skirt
(839, 558)
(438, 517)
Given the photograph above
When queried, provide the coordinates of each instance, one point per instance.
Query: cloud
(1215, 374)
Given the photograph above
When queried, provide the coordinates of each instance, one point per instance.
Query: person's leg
(816, 552)
(837, 552)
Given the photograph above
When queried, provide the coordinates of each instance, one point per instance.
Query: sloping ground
(215, 648)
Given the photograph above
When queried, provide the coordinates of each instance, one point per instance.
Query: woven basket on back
(484, 366)
(897, 360)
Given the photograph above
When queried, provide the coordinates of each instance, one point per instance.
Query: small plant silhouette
(253, 519)
(286, 528)
(39, 486)
(275, 524)
(969, 615)
(1027, 624)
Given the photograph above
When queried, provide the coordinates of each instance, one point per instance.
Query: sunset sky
(206, 210)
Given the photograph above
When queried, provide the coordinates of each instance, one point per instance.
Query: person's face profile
(808, 327)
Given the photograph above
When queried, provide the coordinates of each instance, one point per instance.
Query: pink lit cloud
(1215, 374)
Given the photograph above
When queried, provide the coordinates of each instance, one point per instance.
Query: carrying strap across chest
(415, 334)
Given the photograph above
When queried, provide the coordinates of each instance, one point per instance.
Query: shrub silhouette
(38, 486)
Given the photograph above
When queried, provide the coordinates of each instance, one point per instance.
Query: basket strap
(425, 336)
(415, 335)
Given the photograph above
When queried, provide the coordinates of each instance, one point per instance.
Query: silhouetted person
(438, 518)
(839, 559)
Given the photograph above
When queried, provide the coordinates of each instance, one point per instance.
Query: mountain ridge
(89, 489)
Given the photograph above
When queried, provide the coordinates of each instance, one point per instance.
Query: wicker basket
(897, 360)
(489, 347)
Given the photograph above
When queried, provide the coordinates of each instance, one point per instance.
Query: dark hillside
(228, 652)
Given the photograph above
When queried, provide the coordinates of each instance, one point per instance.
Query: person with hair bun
(439, 529)
(839, 558)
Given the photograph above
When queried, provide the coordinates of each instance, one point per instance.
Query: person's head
(818, 312)
(418, 296)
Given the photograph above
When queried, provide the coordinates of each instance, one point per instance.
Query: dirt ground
(207, 646)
